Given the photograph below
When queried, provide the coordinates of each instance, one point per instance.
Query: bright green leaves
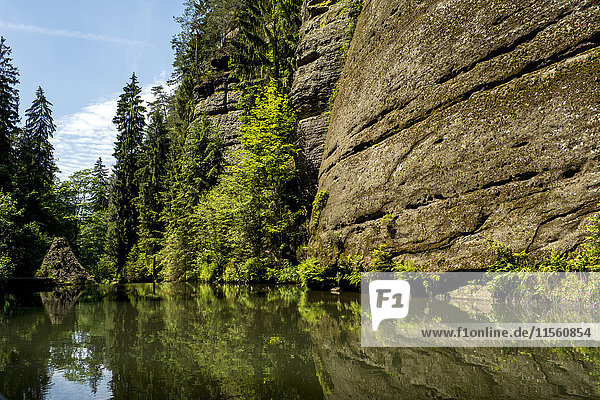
(246, 226)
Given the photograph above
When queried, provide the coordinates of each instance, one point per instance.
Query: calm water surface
(181, 341)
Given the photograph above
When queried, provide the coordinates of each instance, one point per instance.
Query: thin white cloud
(71, 34)
(85, 135)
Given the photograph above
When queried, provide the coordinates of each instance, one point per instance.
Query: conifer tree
(36, 165)
(9, 112)
(151, 175)
(194, 168)
(99, 195)
(123, 216)
(266, 44)
(35, 149)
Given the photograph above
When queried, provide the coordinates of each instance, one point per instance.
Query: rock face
(218, 98)
(460, 122)
(61, 265)
(323, 36)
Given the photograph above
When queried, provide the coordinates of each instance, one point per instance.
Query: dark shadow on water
(60, 302)
(182, 341)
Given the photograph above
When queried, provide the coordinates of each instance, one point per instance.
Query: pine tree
(123, 216)
(9, 112)
(265, 47)
(35, 150)
(36, 165)
(99, 196)
(151, 175)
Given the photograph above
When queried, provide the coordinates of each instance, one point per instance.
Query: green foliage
(244, 227)
(151, 175)
(266, 169)
(78, 191)
(6, 269)
(35, 152)
(287, 272)
(266, 43)
(35, 190)
(138, 267)
(506, 260)
(9, 113)
(99, 187)
(585, 259)
(90, 243)
(22, 244)
(331, 99)
(81, 201)
(204, 27)
(349, 270)
(311, 271)
(353, 8)
(381, 259)
(265, 172)
(317, 207)
(406, 266)
(195, 166)
(33, 210)
(123, 215)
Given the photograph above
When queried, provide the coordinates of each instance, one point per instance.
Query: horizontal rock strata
(460, 122)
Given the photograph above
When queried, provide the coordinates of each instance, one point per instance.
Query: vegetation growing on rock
(430, 149)
(61, 265)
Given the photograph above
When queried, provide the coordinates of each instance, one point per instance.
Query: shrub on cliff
(585, 259)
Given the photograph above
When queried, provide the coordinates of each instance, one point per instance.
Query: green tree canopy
(100, 183)
(9, 111)
(123, 215)
(35, 161)
(266, 42)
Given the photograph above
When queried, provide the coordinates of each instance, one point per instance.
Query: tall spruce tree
(35, 148)
(9, 112)
(123, 215)
(152, 175)
(36, 165)
(99, 196)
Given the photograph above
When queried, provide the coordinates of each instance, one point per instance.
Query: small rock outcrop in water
(61, 265)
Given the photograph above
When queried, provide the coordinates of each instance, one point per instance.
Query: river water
(183, 341)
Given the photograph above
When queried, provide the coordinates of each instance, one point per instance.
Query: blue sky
(82, 53)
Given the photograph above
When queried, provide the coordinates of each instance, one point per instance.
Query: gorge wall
(324, 38)
(461, 121)
(217, 98)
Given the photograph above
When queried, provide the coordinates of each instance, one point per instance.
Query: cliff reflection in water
(224, 342)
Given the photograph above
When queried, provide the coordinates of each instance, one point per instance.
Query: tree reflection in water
(184, 341)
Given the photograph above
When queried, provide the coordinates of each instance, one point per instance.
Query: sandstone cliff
(462, 121)
(217, 98)
(324, 37)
